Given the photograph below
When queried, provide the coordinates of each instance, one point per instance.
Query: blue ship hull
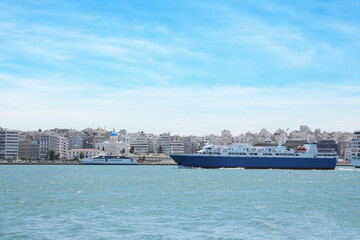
(206, 161)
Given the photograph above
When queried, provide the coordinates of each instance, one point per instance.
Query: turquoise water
(165, 202)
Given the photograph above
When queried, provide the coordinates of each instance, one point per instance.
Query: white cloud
(200, 111)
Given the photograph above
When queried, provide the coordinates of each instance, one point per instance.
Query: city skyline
(184, 67)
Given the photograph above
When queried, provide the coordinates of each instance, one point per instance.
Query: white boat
(355, 150)
(109, 160)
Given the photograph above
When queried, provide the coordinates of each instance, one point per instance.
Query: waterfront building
(347, 154)
(177, 146)
(87, 153)
(63, 147)
(355, 149)
(75, 140)
(114, 146)
(88, 142)
(158, 158)
(342, 149)
(9, 143)
(29, 149)
(189, 145)
(174, 144)
(164, 142)
(140, 142)
(47, 143)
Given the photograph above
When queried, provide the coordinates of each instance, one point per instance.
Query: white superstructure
(309, 150)
(108, 160)
(355, 150)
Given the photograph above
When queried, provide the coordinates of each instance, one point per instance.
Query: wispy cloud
(180, 110)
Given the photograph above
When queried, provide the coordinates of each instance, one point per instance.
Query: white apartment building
(63, 147)
(170, 144)
(164, 142)
(140, 142)
(9, 143)
(177, 146)
(156, 158)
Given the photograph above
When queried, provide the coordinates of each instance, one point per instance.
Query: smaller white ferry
(109, 160)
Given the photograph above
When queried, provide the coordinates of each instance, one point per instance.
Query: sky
(185, 67)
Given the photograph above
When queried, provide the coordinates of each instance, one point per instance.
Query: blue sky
(188, 67)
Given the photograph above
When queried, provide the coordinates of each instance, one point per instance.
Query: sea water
(165, 202)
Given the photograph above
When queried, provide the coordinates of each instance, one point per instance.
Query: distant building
(189, 145)
(140, 142)
(63, 147)
(88, 153)
(47, 143)
(156, 158)
(29, 149)
(75, 140)
(113, 146)
(9, 142)
(226, 134)
(164, 142)
(88, 142)
(342, 149)
(304, 129)
(177, 146)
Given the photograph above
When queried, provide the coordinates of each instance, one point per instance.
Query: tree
(76, 159)
(122, 151)
(57, 156)
(51, 154)
(132, 149)
(159, 150)
(81, 155)
(103, 148)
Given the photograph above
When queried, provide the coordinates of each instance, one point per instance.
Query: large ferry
(355, 150)
(109, 160)
(244, 155)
